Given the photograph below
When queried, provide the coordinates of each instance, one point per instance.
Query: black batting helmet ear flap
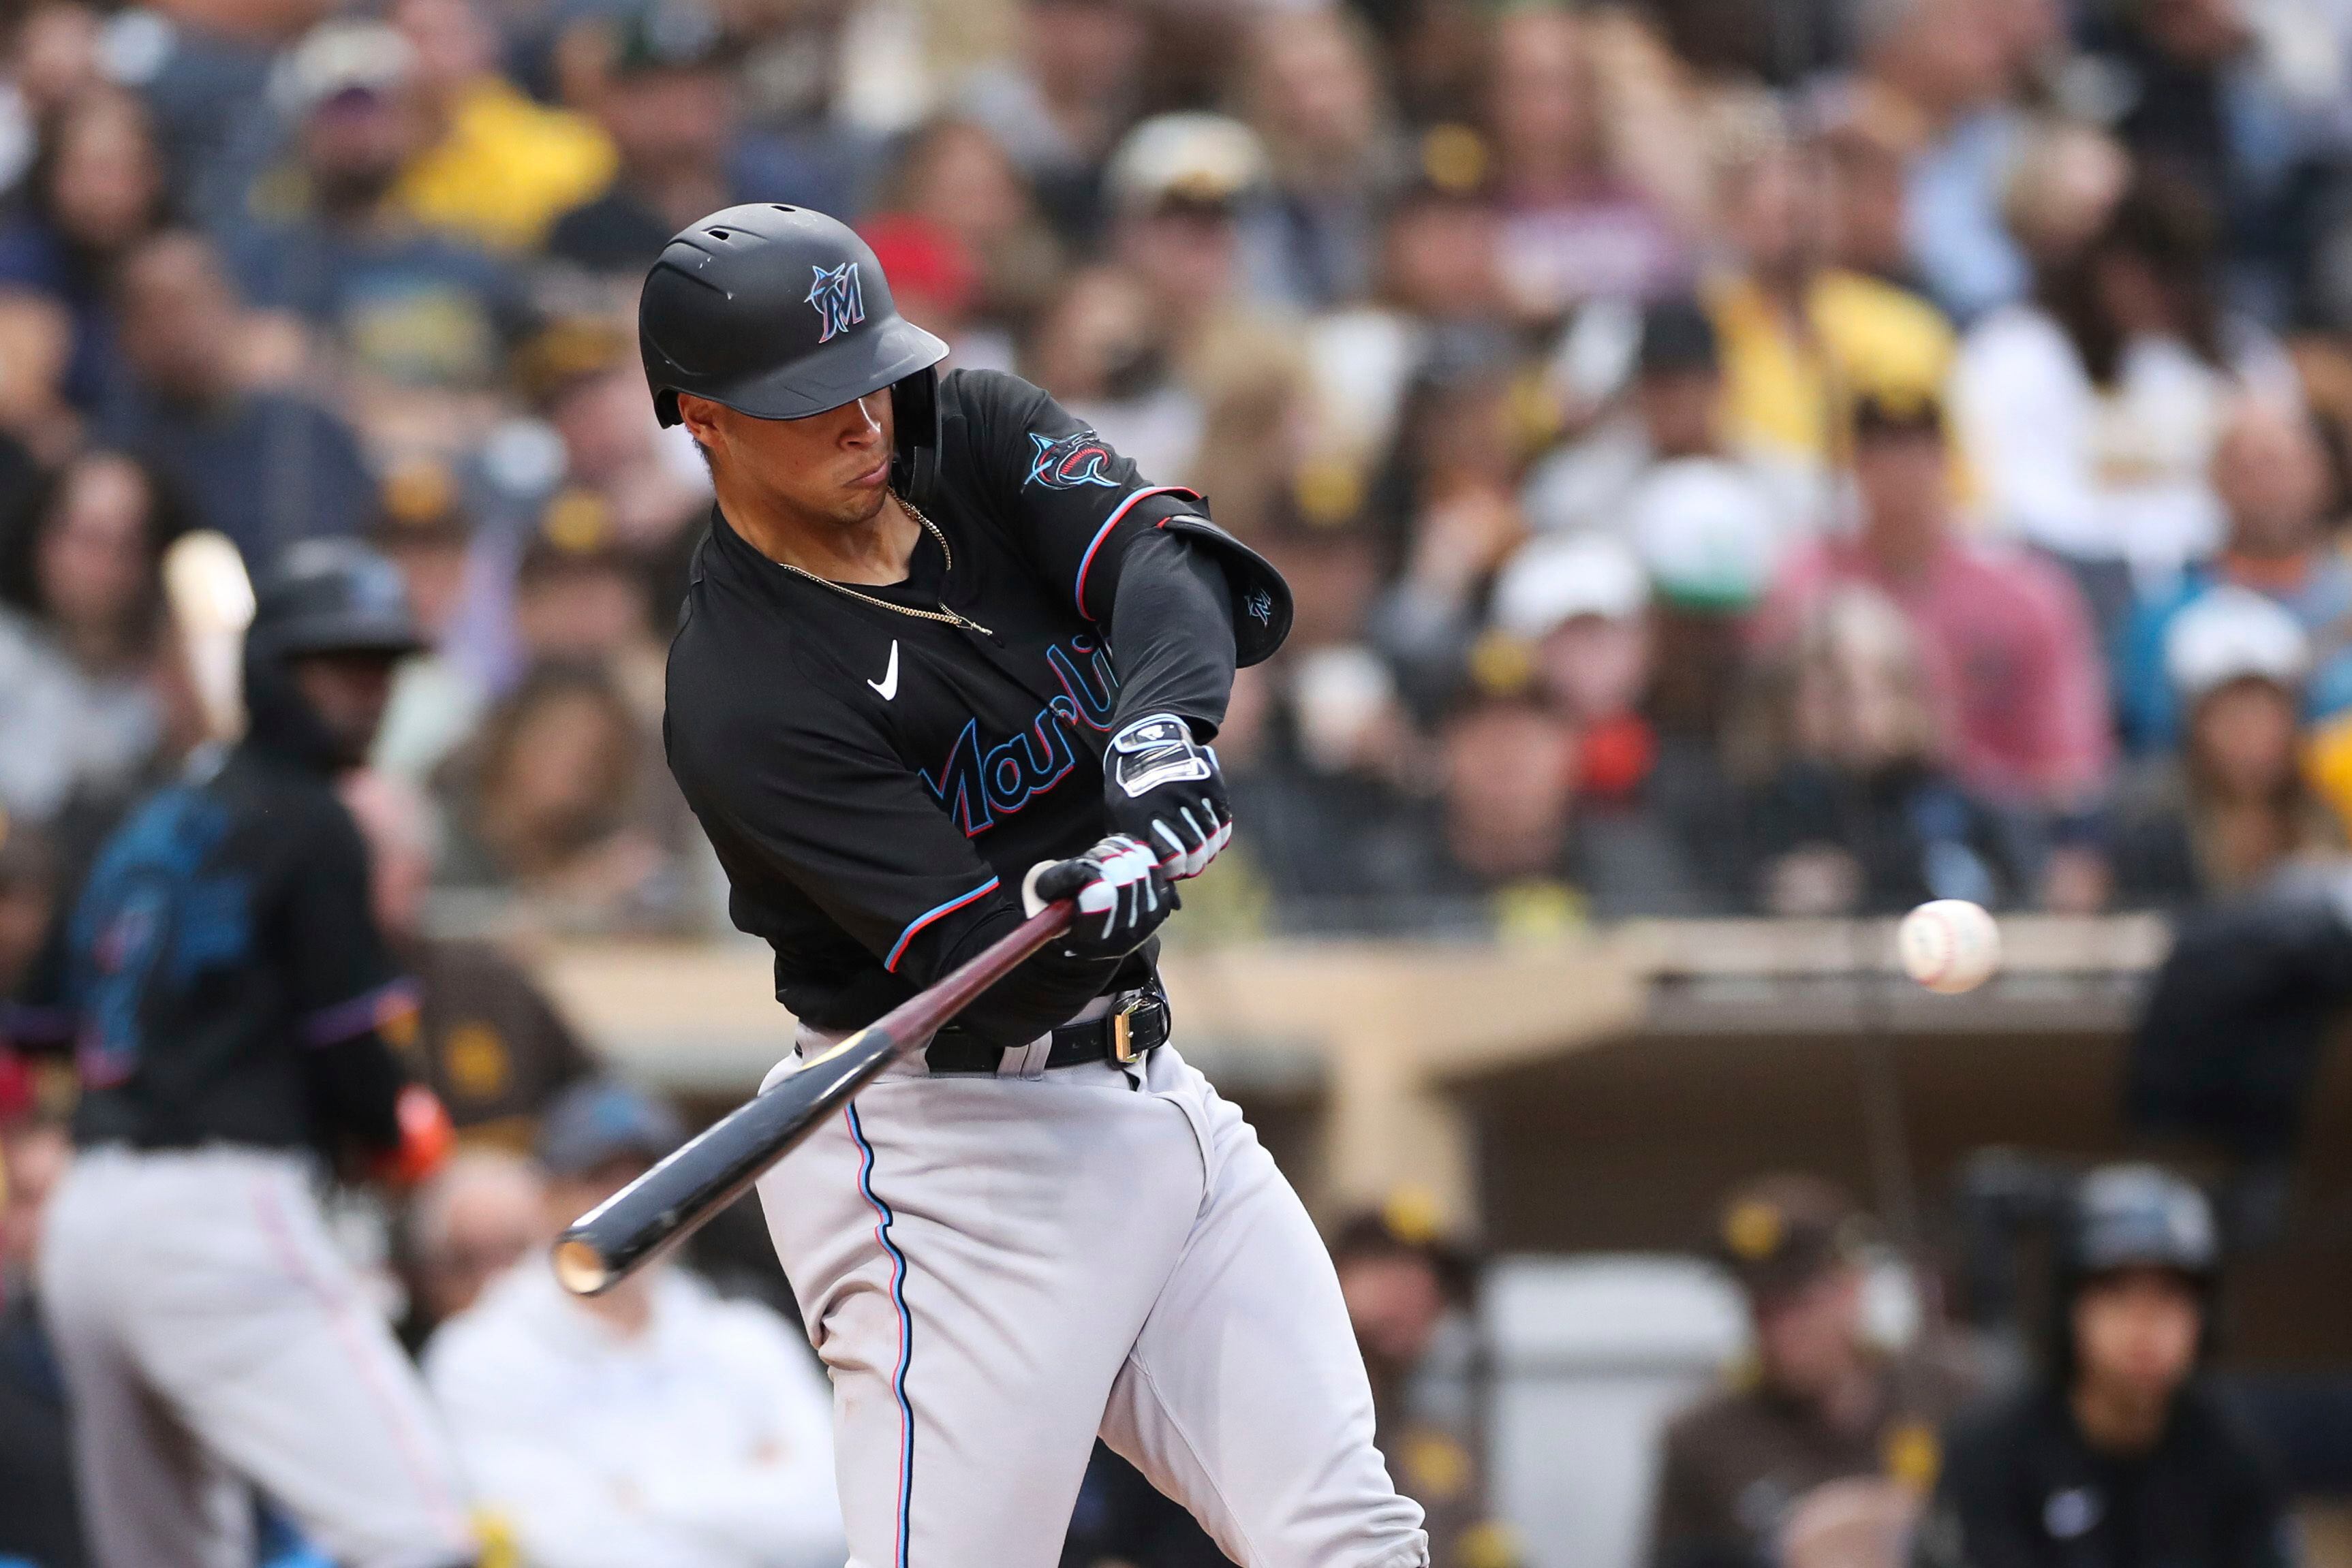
(915, 418)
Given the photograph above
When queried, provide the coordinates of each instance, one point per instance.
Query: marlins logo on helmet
(1072, 460)
(839, 303)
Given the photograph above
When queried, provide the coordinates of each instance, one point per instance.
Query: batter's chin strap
(915, 412)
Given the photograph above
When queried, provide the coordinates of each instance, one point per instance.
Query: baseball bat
(210, 602)
(712, 1170)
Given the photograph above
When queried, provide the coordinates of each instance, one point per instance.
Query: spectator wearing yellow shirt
(502, 168)
(1801, 340)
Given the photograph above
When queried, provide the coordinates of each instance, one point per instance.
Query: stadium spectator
(1059, 108)
(487, 1040)
(2233, 806)
(2014, 674)
(934, 283)
(548, 806)
(2120, 1452)
(2271, 475)
(494, 165)
(475, 1218)
(1672, 429)
(584, 376)
(655, 1423)
(1311, 85)
(660, 90)
(1848, 808)
(96, 189)
(1407, 1290)
(951, 172)
(1801, 340)
(1824, 1404)
(400, 308)
(265, 465)
(427, 530)
(2090, 415)
(1941, 71)
(1572, 228)
(80, 645)
(39, 426)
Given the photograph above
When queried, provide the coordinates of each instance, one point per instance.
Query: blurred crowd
(1733, 456)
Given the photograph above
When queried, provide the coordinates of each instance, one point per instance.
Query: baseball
(1949, 945)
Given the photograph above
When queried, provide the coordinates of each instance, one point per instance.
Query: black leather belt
(1137, 1025)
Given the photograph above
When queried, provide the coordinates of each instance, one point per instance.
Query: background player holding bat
(945, 653)
(232, 1016)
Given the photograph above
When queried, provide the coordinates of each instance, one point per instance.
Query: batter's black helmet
(2137, 1216)
(779, 312)
(331, 596)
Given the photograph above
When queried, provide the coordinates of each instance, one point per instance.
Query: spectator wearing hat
(402, 309)
(2119, 1453)
(1410, 1292)
(488, 1040)
(494, 165)
(426, 529)
(265, 465)
(656, 1423)
(1672, 431)
(2019, 693)
(1800, 338)
(1819, 1405)
(2233, 806)
(1582, 606)
(1846, 806)
(1177, 185)
(655, 74)
(2270, 473)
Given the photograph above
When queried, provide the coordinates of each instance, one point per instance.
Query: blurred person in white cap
(2231, 805)
(1177, 185)
(654, 1424)
(325, 237)
(2270, 473)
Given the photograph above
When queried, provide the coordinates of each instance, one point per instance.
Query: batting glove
(1120, 893)
(1164, 788)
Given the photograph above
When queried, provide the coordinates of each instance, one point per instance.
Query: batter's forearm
(1171, 635)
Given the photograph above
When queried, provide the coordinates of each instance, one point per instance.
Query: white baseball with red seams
(1949, 945)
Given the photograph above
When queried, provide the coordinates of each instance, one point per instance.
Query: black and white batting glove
(1120, 890)
(1164, 788)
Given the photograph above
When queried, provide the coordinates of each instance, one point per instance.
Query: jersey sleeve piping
(362, 1014)
(1088, 560)
(898, 948)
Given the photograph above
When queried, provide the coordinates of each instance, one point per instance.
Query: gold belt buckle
(1122, 1043)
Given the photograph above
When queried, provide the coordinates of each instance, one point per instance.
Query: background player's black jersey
(878, 783)
(220, 978)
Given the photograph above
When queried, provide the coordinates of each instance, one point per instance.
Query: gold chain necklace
(943, 615)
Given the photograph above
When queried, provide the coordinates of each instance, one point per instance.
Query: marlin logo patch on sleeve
(1070, 461)
(840, 304)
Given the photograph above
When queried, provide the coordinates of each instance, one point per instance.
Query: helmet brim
(835, 374)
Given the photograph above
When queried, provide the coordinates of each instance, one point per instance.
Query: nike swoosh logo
(888, 685)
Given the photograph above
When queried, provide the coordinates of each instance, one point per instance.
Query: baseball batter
(946, 655)
(234, 1014)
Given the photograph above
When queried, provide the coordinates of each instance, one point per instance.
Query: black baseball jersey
(877, 783)
(220, 978)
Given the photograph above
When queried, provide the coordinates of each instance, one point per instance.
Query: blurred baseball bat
(671, 1201)
(210, 602)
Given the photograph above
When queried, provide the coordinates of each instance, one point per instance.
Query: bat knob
(580, 1268)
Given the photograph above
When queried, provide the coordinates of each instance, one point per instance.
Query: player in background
(233, 1016)
(946, 655)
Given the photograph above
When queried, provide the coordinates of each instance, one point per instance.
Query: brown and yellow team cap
(1779, 1233)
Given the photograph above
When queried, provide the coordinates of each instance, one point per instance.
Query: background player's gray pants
(996, 1269)
(209, 1330)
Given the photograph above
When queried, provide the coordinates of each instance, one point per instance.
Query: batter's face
(830, 468)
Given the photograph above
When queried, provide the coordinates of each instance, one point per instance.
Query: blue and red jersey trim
(898, 948)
